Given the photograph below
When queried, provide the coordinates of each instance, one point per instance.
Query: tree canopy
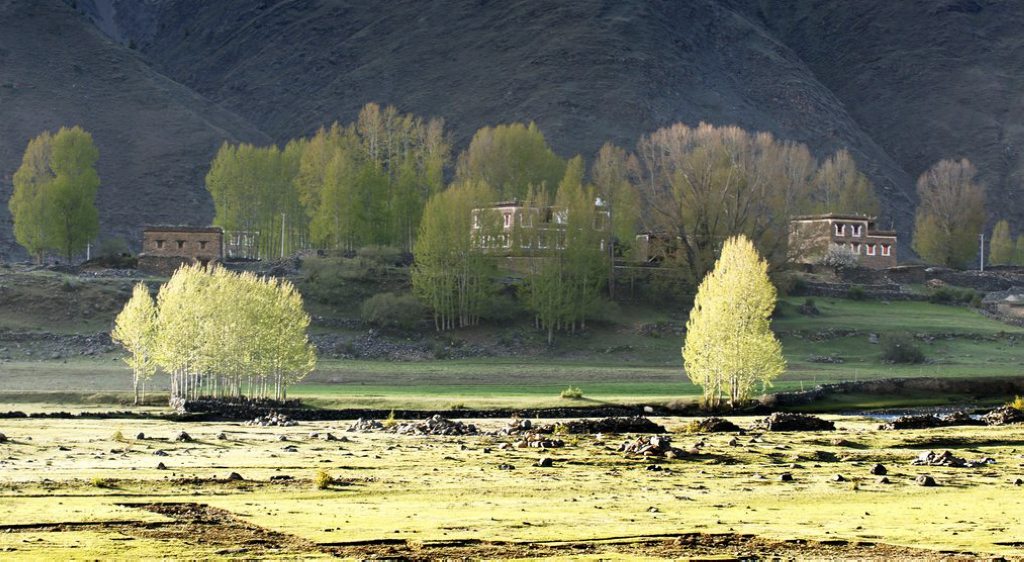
(511, 158)
(950, 213)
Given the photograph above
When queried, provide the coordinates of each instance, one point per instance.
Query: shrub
(389, 310)
(1017, 403)
(952, 295)
(117, 436)
(900, 348)
(390, 421)
(572, 393)
(381, 255)
(322, 480)
(98, 482)
(856, 293)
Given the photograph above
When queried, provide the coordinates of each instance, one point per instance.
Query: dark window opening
(181, 244)
(202, 244)
(159, 244)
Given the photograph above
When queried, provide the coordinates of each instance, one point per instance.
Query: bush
(572, 393)
(389, 310)
(383, 256)
(856, 293)
(117, 436)
(952, 295)
(322, 480)
(1017, 403)
(900, 348)
(98, 482)
(390, 421)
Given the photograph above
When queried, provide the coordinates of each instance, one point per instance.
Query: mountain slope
(586, 72)
(155, 136)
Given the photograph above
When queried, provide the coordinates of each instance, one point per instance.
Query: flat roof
(193, 229)
(834, 216)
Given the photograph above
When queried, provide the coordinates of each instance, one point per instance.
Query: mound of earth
(635, 424)
(714, 425)
(434, 425)
(929, 421)
(785, 421)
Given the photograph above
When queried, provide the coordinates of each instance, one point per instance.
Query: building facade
(165, 248)
(811, 237)
(512, 228)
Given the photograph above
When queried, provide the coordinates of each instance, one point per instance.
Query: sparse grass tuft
(572, 393)
(322, 480)
(98, 482)
(117, 436)
(390, 421)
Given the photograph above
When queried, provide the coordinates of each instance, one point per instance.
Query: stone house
(812, 236)
(165, 248)
(519, 229)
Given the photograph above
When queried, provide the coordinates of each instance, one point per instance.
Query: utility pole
(981, 252)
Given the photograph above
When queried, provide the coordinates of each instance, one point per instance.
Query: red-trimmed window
(870, 249)
(886, 249)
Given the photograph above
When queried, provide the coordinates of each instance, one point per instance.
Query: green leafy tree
(841, 188)
(510, 158)
(135, 329)
(54, 200)
(451, 273)
(950, 214)
(729, 346)
(1001, 247)
(1019, 251)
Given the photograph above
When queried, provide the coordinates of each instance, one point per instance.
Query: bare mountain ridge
(155, 136)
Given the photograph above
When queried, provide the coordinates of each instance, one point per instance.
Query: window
(840, 229)
(856, 230)
(202, 244)
(508, 219)
(886, 249)
(159, 244)
(855, 247)
(870, 249)
(181, 244)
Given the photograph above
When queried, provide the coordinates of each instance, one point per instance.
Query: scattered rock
(883, 480)
(282, 437)
(946, 458)
(140, 436)
(161, 466)
(222, 436)
(434, 425)
(515, 426)
(364, 425)
(839, 478)
(235, 476)
(545, 462)
(913, 422)
(785, 477)
(1018, 482)
(272, 419)
(651, 446)
(281, 478)
(3, 438)
(540, 441)
(486, 450)
(734, 442)
(655, 467)
(785, 421)
(879, 470)
(713, 425)
(1004, 415)
(960, 417)
(161, 453)
(183, 437)
(506, 466)
(925, 480)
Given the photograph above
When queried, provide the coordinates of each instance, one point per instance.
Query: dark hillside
(154, 135)
(926, 79)
(585, 71)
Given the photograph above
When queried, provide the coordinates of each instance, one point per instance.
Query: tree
(610, 173)
(950, 214)
(841, 188)
(510, 158)
(702, 185)
(1019, 251)
(54, 200)
(451, 274)
(135, 329)
(1001, 248)
(729, 345)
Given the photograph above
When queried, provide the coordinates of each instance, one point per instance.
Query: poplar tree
(510, 158)
(1019, 251)
(1001, 247)
(729, 346)
(451, 274)
(135, 330)
(950, 213)
(841, 188)
(54, 199)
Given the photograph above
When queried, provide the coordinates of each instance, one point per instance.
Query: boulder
(1004, 415)
(879, 470)
(183, 437)
(161, 466)
(651, 446)
(3, 438)
(140, 436)
(545, 462)
(785, 477)
(234, 476)
(925, 480)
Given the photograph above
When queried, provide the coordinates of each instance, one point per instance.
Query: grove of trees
(218, 334)
(729, 347)
(54, 200)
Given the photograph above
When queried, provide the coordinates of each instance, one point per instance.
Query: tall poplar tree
(1001, 247)
(729, 346)
(950, 213)
(135, 329)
